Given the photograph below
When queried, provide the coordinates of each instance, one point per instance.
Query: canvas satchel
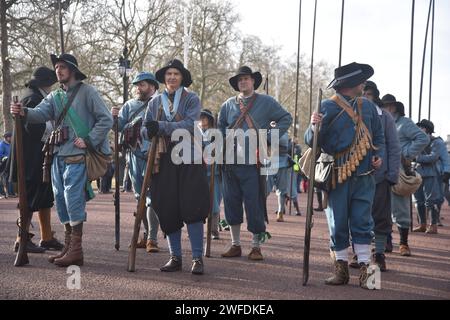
(407, 184)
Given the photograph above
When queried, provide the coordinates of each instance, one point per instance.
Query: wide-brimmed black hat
(71, 61)
(428, 125)
(177, 64)
(42, 77)
(351, 75)
(370, 85)
(246, 71)
(389, 98)
(209, 114)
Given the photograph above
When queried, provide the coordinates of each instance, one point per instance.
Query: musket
(141, 210)
(117, 189)
(24, 214)
(211, 203)
(211, 208)
(309, 204)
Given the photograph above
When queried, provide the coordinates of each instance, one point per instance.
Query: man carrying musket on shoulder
(351, 131)
(250, 112)
(87, 121)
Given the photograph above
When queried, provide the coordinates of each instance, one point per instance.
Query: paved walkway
(425, 275)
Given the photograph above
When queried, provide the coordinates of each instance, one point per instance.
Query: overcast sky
(376, 32)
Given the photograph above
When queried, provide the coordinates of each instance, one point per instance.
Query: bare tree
(6, 64)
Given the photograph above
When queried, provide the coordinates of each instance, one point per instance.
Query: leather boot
(67, 234)
(197, 266)
(152, 246)
(421, 228)
(432, 229)
(174, 264)
(31, 247)
(74, 255)
(380, 260)
(234, 251)
(280, 217)
(341, 274)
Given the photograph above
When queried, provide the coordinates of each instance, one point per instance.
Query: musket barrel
(24, 218)
(309, 208)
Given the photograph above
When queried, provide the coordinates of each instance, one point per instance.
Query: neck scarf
(171, 109)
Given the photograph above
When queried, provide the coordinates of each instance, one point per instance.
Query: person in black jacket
(39, 194)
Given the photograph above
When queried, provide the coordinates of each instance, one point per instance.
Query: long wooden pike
(309, 205)
(296, 99)
(423, 60)
(24, 218)
(117, 189)
(312, 61)
(211, 208)
(142, 201)
(342, 33)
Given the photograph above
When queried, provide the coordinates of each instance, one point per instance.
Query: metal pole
(411, 59)
(423, 60)
(61, 27)
(312, 60)
(125, 76)
(431, 63)
(296, 98)
(342, 33)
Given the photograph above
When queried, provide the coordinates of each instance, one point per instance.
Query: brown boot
(234, 251)
(142, 242)
(256, 254)
(152, 246)
(67, 233)
(432, 229)
(280, 217)
(341, 275)
(405, 251)
(74, 255)
(421, 228)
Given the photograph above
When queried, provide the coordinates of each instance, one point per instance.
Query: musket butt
(22, 262)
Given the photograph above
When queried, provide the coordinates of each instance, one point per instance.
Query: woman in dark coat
(179, 192)
(39, 194)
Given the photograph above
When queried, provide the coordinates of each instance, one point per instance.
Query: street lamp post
(125, 71)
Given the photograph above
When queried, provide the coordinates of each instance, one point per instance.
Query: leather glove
(152, 129)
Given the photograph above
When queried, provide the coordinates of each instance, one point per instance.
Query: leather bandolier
(347, 161)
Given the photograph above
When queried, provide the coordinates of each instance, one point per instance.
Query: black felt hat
(42, 77)
(246, 71)
(71, 61)
(177, 64)
(351, 75)
(428, 125)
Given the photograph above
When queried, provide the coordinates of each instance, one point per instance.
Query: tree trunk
(6, 68)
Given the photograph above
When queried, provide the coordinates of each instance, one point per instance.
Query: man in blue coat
(131, 116)
(350, 131)
(429, 196)
(412, 142)
(250, 112)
